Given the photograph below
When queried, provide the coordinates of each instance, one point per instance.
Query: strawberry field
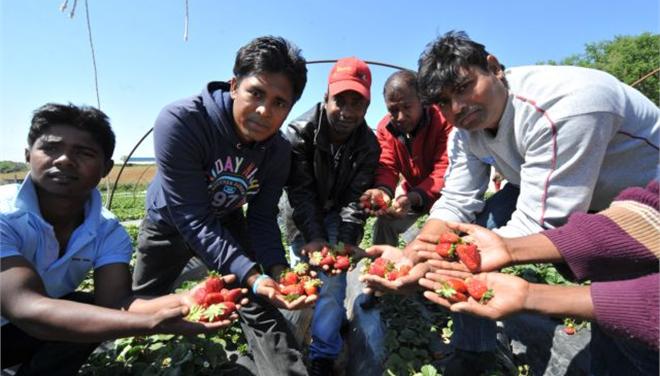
(412, 327)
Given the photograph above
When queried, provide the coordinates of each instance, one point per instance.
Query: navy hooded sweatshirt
(205, 174)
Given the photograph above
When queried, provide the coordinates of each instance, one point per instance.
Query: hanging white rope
(91, 46)
(185, 24)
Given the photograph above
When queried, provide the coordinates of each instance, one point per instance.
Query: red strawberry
(404, 270)
(227, 309)
(327, 260)
(380, 261)
(378, 203)
(448, 291)
(457, 284)
(469, 256)
(570, 330)
(213, 298)
(199, 294)
(342, 262)
(478, 290)
(233, 295)
(391, 276)
(289, 278)
(214, 283)
(311, 286)
(446, 250)
(377, 269)
(296, 289)
(449, 237)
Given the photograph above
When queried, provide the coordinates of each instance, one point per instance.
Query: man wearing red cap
(334, 157)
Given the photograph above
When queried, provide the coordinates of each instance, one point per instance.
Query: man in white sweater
(566, 139)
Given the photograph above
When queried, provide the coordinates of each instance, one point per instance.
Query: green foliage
(628, 58)
(538, 273)
(9, 166)
(411, 324)
(127, 202)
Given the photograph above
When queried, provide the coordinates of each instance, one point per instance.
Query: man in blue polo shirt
(54, 231)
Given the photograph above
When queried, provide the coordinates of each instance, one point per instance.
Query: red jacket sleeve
(389, 167)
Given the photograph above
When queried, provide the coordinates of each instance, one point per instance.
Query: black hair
(442, 60)
(405, 77)
(269, 54)
(85, 118)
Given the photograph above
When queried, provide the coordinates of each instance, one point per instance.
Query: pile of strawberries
(297, 282)
(457, 290)
(213, 301)
(332, 261)
(375, 203)
(385, 269)
(451, 247)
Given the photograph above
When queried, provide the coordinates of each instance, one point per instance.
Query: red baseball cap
(350, 73)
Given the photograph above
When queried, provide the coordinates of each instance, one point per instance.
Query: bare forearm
(139, 305)
(535, 248)
(56, 319)
(553, 300)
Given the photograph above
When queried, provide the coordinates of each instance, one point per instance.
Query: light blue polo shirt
(98, 241)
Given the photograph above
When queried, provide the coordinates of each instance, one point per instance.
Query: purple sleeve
(629, 308)
(596, 248)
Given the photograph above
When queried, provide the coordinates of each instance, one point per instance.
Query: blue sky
(144, 63)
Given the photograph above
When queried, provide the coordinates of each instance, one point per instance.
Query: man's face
(345, 111)
(404, 107)
(261, 104)
(478, 98)
(67, 161)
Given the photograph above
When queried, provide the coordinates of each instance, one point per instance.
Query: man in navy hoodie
(216, 152)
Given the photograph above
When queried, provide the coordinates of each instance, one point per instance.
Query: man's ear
(233, 88)
(27, 155)
(494, 66)
(325, 98)
(108, 167)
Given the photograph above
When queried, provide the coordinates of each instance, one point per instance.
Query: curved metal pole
(366, 61)
(114, 186)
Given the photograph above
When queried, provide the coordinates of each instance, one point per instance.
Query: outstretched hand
(378, 197)
(269, 289)
(403, 285)
(509, 295)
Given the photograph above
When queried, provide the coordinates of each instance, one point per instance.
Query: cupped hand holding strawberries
(270, 289)
(493, 251)
(333, 260)
(375, 202)
(490, 295)
(298, 282)
(212, 301)
(380, 282)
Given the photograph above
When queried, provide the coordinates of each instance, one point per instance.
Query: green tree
(628, 58)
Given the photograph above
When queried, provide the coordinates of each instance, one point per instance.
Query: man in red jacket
(413, 140)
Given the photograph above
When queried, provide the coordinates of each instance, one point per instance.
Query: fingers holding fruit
(383, 275)
(212, 301)
(336, 260)
(490, 295)
(375, 202)
(298, 287)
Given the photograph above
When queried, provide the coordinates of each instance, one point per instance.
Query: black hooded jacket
(316, 187)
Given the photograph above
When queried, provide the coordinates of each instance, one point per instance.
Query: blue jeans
(617, 356)
(474, 333)
(329, 311)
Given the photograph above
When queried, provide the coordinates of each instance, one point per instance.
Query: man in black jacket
(334, 157)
